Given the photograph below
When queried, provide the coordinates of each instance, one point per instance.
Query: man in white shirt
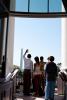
(28, 67)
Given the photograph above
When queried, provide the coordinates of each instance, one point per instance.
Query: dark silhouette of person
(51, 75)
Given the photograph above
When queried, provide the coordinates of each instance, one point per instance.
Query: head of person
(36, 59)
(29, 56)
(51, 58)
(41, 58)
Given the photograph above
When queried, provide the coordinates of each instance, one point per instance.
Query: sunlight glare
(19, 99)
(39, 99)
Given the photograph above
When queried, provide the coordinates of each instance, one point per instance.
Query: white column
(64, 43)
(10, 46)
(63, 40)
(10, 40)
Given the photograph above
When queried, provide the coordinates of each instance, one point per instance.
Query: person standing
(28, 67)
(36, 76)
(42, 65)
(51, 75)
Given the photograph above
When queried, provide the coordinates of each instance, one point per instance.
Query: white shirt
(28, 64)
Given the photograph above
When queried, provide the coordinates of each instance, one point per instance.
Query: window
(37, 6)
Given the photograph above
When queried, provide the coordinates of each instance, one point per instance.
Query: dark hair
(41, 58)
(36, 59)
(48, 58)
(29, 55)
(51, 58)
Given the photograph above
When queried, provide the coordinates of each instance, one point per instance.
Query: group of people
(43, 80)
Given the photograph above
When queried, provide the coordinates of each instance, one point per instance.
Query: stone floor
(22, 97)
(19, 96)
(37, 98)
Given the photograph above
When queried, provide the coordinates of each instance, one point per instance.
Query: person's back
(37, 66)
(28, 63)
(42, 67)
(42, 63)
(36, 76)
(51, 75)
(28, 67)
(51, 71)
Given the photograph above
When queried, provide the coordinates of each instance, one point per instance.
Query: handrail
(14, 72)
(11, 75)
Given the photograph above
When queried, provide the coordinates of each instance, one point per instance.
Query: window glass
(22, 5)
(38, 5)
(55, 6)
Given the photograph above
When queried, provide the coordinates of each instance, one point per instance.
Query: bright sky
(41, 36)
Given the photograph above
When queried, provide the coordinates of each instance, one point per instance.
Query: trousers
(49, 90)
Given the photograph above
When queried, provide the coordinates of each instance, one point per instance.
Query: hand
(27, 50)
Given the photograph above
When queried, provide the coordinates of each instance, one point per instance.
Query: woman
(36, 76)
(42, 65)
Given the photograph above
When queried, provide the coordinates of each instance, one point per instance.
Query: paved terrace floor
(19, 95)
(22, 97)
(36, 98)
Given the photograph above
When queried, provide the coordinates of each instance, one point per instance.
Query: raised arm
(25, 52)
